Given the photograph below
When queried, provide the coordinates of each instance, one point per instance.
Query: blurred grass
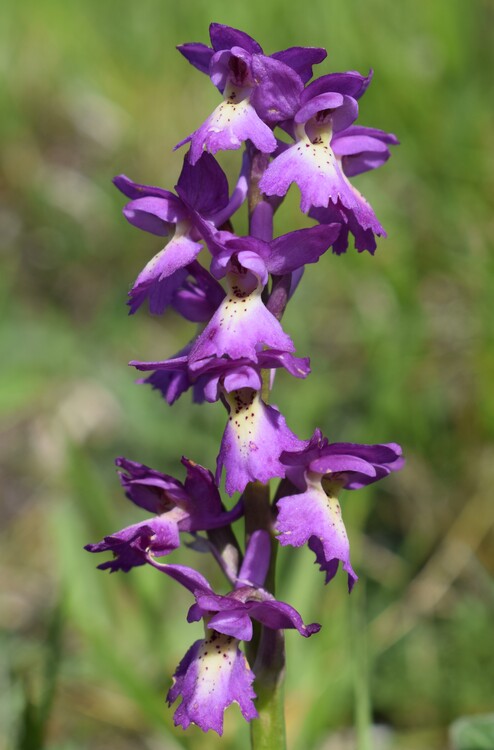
(401, 348)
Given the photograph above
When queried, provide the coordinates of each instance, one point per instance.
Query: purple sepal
(171, 376)
(204, 184)
(134, 190)
(284, 254)
(277, 94)
(206, 510)
(158, 536)
(350, 83)
(193, 506)
(301, 59)
(351, 465)
(147, 488)
(235, 612)
(199, 55)
(344, 110)
(291, 251)
(226, 37)
(154, 214)
(256, 560)
(163, 275)
(364, 238)
(199, 296)
(208, 376)
(213, 674)
(231, 615)
(362, 149)
(204, 188)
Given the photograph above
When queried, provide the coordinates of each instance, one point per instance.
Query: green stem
(363, 710)
(268, 731)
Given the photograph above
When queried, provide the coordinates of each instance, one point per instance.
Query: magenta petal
(231, 124)
(317, 172)
(163, 275)
(213, 674)
(313, 514)
(238, 328)
(312, 167)
(254, 438)
(242, 377)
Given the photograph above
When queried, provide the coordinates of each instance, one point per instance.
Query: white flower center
(215, 660)
(316, 150)
(245, 406)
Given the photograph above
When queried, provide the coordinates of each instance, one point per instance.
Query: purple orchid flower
(192, 506)
(360, 149)
(242, 323)
(256, 433)
(329, 105)
(321, 470)
(259, 91)
(209, 377)
(255, 436)
(163, 213)
(214, 673)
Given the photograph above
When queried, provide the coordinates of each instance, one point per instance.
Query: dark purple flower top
(194, 505)
(233, 613)
(211, 376)
(349, 465)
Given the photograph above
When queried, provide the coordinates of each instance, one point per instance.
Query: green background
(401, 348)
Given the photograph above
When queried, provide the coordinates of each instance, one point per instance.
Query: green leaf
(473, 733)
